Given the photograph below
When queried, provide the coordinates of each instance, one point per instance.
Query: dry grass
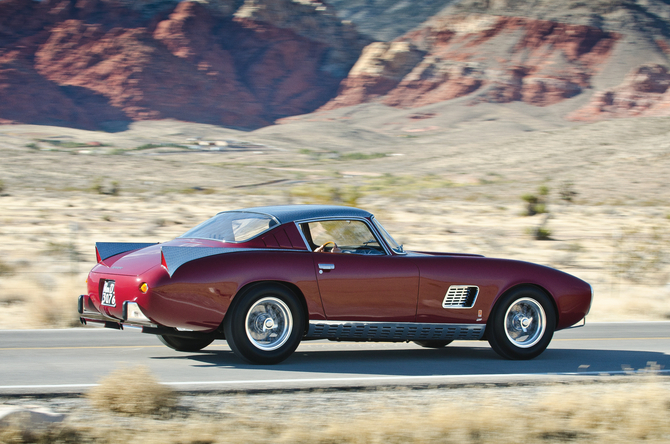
(632, 409)
(133, 392)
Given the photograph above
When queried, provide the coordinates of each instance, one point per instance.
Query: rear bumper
(132, 315)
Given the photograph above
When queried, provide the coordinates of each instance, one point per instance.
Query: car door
(363, 282)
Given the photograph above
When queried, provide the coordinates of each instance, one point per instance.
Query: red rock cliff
(503, 58)
(86, 63)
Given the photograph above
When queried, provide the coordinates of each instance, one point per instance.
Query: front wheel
(522, 324)
(185, 344)
(266, 325)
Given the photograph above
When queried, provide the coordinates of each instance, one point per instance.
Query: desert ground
(440, 178)
(130, 406)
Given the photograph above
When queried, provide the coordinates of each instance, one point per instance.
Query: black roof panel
(290, 213)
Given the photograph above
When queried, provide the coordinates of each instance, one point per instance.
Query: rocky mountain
(538, 52)
(246, 63)
(99, 63)
(385, 20)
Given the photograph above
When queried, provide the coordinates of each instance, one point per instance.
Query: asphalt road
(63, 361)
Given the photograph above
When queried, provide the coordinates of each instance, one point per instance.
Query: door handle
(326, 267)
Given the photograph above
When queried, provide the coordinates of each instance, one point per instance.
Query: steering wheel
(322, 248)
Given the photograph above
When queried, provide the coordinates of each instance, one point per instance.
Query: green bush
(536, 203)
(540, 233)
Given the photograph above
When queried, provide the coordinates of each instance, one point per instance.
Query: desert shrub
(133, 391)
(6, 269)
(328, 195)
(63, 249)
(642, 255)
(536, 203)
(542, 233)
(99, 187)
(360, 156)
(53, 434)
(567, 192)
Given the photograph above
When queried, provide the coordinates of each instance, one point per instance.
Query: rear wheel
(522, 324)
(266, 325)
(433, 344)
(185, 344)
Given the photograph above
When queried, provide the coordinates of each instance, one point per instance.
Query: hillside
(99, 64)
(246, 64)
(385, 20)
(612, 53)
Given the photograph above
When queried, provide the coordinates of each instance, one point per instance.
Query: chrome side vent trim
(392, 332)
(460, 296)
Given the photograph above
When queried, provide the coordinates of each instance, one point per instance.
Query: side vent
(460, 296)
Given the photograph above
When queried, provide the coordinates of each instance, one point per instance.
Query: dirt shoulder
(617, 410)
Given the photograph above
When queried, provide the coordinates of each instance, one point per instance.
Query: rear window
(234, 226)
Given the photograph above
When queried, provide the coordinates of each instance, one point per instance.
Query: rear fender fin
(174, 257)
(105, 250)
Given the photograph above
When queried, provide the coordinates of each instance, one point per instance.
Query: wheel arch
(521, 286)
(288, 285)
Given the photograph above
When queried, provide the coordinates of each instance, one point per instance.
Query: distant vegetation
(335, 155)
(536, 203)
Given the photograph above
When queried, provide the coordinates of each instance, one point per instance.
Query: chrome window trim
(370, 226)
(374, 219)
(302, 235)
(234, 242)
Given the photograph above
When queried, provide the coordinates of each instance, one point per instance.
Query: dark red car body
(192, 283)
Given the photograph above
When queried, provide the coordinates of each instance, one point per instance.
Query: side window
(350, 236)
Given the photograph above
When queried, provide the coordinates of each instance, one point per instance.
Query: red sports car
(266, 278)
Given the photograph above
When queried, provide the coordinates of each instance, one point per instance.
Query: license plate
(108, 297)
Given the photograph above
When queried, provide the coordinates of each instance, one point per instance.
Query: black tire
(185, 344)
(265, 325)
(522, 324)
(433, 344)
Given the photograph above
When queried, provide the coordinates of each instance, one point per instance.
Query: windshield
(387, 237)
(233, 226)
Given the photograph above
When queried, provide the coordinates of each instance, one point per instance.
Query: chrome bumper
(132, 315)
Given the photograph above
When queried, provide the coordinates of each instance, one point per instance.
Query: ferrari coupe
(266, 278)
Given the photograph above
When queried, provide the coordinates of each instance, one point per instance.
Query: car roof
(290, 213)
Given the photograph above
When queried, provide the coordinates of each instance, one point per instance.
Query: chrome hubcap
(525, 322)
(268, 323)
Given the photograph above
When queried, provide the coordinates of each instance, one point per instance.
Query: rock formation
(538, 52)
(508, 58)
(644, 92)
(246, 63)
(91, 63)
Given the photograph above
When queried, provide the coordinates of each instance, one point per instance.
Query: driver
(335, 248)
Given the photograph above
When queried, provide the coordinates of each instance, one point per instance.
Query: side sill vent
(460, 296)
(392, 332)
